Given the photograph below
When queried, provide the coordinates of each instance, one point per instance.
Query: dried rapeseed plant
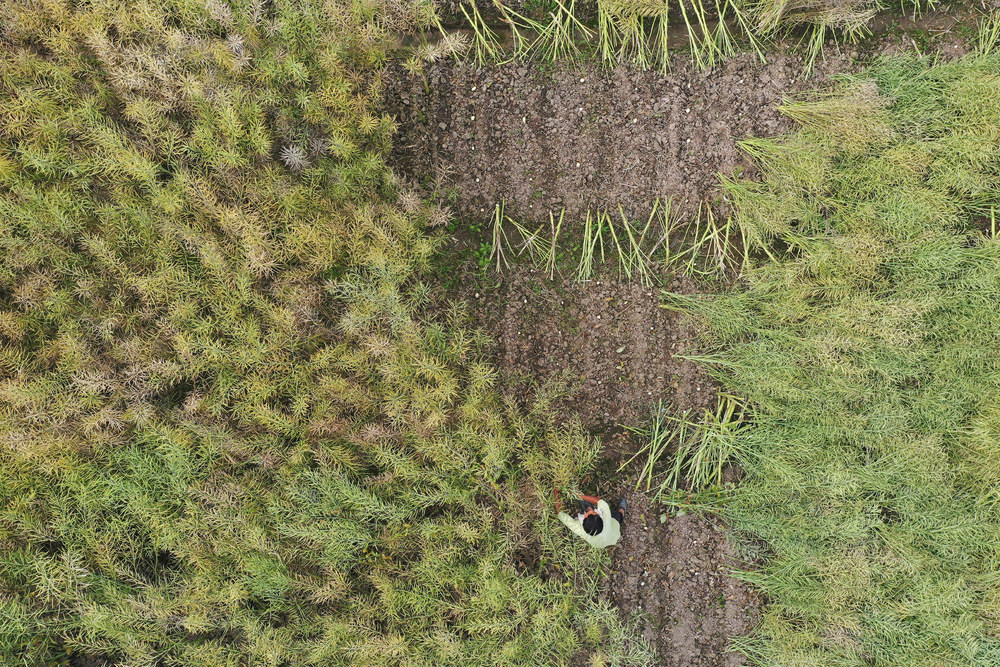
(294, 157)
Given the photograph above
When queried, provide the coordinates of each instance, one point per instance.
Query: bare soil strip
(584, 137)
(677, 574)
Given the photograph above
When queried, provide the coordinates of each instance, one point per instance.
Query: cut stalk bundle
(700, 43)
(558, 40)
(498, 254)
(524, 31)
(699, 450)
(667, 226)
(637, 260)
(556, 227)
(658, 437)
(593, 238)
(486, 48)
(704, 248)
(624, 267)
(989, 34)
(533, 243)
(706, 447)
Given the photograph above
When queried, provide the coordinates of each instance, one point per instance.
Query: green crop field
(239, 425)
(227, 438)
(867, 351)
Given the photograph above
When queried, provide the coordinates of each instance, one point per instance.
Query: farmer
(596, 523)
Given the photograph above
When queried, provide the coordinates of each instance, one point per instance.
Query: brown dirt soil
(677, 573)
(584, 137)
(616, 346)
(581, 137)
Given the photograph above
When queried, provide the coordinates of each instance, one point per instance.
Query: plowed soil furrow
(584, 137)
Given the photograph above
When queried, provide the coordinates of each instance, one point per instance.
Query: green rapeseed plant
(864, 343)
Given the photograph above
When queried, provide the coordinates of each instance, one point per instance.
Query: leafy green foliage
(867, 349)
(227, 436)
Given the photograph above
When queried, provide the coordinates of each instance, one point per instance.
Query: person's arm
(593, 500)
(574, 525)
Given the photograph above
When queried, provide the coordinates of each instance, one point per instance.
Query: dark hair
(593, 524)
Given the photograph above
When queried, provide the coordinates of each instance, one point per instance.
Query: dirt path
(611, 338)
(585, 137)
(677, 572)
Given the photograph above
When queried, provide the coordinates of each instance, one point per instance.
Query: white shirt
(608, 536)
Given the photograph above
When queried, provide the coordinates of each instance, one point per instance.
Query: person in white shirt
(597, 524)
